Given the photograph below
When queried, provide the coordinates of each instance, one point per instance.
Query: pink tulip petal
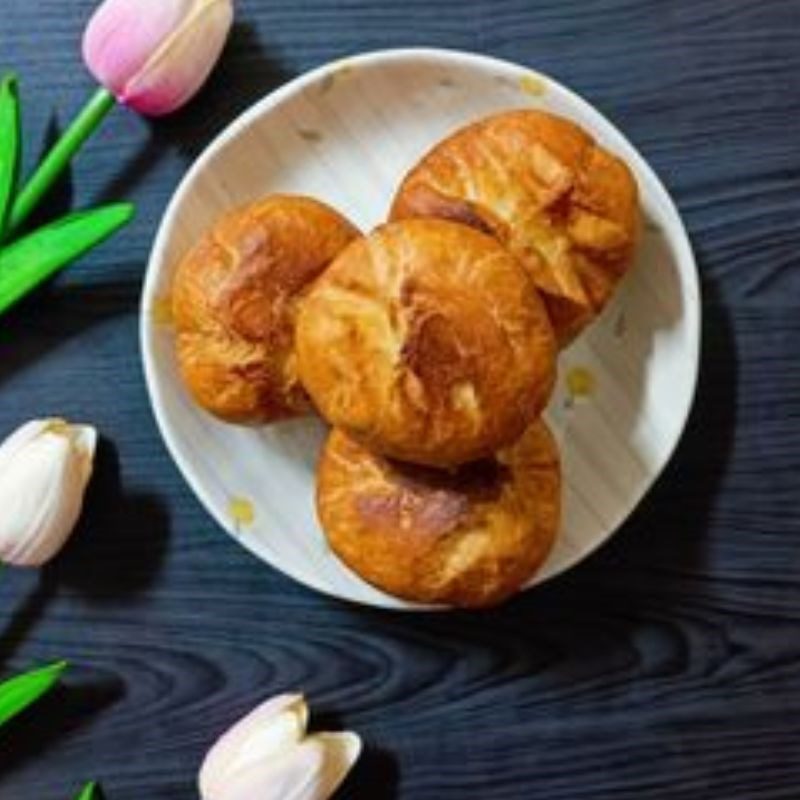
(177, 70)
(123, 34)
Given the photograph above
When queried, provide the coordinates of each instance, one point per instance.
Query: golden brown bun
(566, 207)
(427, 342)
(470, 537)
(234, 301)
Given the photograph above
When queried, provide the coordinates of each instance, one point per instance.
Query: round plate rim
(678, 237)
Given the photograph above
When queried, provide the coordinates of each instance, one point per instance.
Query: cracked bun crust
(234, 301)
(426, 342)
(470, 537)
(567, 208)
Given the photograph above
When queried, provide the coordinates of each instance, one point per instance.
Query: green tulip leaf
(58, 158)
(18, 693)
(25, 263)
(10, 143)
(89, 792)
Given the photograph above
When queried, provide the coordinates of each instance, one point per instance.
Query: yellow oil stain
(242, 512)
(161, 311)
(581, 383)
(532, 85)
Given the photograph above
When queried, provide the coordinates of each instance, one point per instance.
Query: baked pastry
(426, 342)
(566, 207)
(469, 537)
(234, 299)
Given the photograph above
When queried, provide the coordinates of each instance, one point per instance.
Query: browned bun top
(566, 207)
(234, 300)
(469, 537)
(427, 342)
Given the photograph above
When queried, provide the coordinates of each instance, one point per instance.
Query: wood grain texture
(667, 666)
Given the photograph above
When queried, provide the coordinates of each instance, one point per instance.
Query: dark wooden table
(667, 666)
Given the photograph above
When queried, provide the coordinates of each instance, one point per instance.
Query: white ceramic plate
(346, 133)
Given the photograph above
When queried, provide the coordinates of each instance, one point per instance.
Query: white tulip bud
(268, 756)
(44, 468)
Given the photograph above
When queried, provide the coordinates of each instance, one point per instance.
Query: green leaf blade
(89, 792)
(29, 261)
(10, 146)
(18, 693)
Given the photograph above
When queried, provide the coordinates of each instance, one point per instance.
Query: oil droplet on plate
(580, 383)
(161, 310)
(532, 85)
(242, 512)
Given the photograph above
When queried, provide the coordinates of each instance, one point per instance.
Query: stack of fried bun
(429, 345)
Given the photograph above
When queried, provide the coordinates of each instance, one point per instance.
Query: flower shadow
(245, 74)
(375, 774)
(97, 562)
(68, 707)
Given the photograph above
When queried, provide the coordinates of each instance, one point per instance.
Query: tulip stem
(59, 156)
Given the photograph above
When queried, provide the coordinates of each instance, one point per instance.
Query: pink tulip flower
(154, 55)
(151, 55)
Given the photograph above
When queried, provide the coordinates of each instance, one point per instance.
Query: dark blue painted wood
(668, 666)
